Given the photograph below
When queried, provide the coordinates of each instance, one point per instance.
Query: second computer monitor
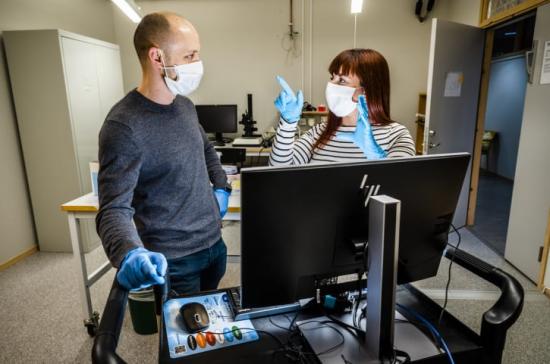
(299, 225)
(218, 119)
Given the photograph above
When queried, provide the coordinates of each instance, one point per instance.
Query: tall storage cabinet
(63, 85)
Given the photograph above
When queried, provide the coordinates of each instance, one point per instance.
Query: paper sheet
(453, 84)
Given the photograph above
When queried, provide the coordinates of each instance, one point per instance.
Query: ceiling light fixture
(129, 8)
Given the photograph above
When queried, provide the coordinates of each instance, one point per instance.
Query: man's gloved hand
(222, 196)
(142, 268)
(363, 137)
(288, 104)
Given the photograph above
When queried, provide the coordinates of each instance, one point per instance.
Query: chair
(489, 137)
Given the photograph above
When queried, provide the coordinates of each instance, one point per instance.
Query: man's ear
(155, 57)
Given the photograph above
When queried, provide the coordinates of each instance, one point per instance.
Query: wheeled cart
(466, 345)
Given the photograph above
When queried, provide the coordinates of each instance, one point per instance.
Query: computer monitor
(299, 224)
(218, 119)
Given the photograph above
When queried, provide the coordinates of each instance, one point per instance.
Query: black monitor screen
(218, 118)
(298, 224)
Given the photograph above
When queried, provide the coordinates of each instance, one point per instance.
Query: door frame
(482, 105)
(480, 123)
(508, 14)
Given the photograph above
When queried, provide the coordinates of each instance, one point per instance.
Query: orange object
(201, 340)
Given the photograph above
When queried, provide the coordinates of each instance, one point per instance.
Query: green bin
(142, 311)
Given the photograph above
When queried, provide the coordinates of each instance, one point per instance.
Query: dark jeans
(200, 271)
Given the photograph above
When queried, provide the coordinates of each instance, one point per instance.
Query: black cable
(357, 300)
(293, 351)
(293, 320)
(352, 329)
(449, 276)
(273, 336)
(366, 269)
(259, 155)
(279, 326)
(400, 353)
(284, 348)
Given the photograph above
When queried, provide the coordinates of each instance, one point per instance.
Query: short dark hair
(152, 31)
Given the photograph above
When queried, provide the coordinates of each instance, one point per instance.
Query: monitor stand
(219, 140)
(383, 240)
(384, 218)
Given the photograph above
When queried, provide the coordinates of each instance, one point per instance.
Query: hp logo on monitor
(368, 191)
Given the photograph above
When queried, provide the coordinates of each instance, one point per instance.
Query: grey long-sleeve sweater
(156, 166)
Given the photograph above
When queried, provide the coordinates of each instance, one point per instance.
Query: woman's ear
(358, 91)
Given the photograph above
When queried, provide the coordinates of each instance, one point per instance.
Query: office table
(86, 207)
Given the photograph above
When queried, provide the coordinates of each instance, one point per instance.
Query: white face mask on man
(188, 77)
(340, 99)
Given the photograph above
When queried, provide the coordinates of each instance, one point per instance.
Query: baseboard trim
(546, 291)
(19, 257)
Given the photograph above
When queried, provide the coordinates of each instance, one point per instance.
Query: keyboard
(248, 142)
(252, 313)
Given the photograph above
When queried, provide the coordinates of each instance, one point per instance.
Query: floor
(41, 319)
(494, 198)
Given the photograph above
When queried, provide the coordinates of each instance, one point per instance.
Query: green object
(142, 311)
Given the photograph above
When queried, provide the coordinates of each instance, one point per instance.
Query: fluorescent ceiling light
(129, 8)
(356, 6)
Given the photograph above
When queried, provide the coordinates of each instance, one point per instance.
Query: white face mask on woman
(188, 77)
(340, 99)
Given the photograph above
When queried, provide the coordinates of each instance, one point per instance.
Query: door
(456, 53)
(531, 194)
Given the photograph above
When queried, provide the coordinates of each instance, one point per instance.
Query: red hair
(374, 75)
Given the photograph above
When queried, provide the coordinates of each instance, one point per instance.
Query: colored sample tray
(222, 332)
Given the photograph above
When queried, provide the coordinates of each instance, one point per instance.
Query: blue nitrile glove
(223, 200)
(363, 137)
(142, 268)
(289, 105)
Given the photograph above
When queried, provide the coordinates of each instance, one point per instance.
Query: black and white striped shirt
(393, 138)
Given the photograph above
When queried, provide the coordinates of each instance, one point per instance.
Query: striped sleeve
(288, 151)
(402, 144)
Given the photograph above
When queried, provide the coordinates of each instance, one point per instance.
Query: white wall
(463, 11)
(504, 113)
(243, 52)
(89, 17)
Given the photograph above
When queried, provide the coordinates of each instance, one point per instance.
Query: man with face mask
(162, 191)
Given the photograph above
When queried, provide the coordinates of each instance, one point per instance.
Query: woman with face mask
(359, 126)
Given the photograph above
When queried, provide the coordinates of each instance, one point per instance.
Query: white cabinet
(63, 86)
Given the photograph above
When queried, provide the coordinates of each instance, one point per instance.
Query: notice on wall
(453, 84)
(545, 69)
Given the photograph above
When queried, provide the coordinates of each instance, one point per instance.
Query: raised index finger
(285, 85)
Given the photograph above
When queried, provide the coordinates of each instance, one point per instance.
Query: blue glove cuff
(132, 252)
(221, 190)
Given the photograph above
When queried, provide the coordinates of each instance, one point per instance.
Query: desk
(86, 207)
